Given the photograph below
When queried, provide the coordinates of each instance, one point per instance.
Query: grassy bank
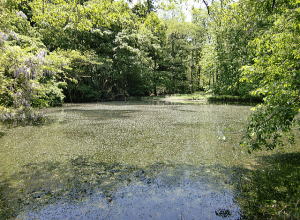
(272, 189)
(201, 97)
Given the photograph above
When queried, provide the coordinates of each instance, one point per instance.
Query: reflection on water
(174, 193)
(188, 201)
(101, 114)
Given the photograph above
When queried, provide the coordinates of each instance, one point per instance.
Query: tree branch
(207, 6)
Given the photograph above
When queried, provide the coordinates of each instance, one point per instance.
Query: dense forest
(55, 51)
(83, 135)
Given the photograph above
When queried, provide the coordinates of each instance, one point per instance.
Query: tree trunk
(273, 4)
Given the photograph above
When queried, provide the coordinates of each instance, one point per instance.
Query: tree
(276, 72)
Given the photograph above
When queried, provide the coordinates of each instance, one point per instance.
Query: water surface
(125, 160)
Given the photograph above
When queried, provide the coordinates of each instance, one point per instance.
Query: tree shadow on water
(42, 184)
(101, 114)
(96, 115)
(2, 133)
(272, 189)
(5, 210)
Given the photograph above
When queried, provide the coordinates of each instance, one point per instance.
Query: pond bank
(201, 98)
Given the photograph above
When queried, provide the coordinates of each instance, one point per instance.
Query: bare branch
(206, 5)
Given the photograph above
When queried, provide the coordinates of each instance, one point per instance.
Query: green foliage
(96, 50)
(252, 49)
(30, 75)
(276, 74)
(103, 50)
(27, 77)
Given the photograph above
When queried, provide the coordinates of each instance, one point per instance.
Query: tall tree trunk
(155, 78)
(199, 76)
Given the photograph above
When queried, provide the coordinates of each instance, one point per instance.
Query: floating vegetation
(111, 157)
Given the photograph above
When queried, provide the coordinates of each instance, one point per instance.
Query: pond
(126, 160)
